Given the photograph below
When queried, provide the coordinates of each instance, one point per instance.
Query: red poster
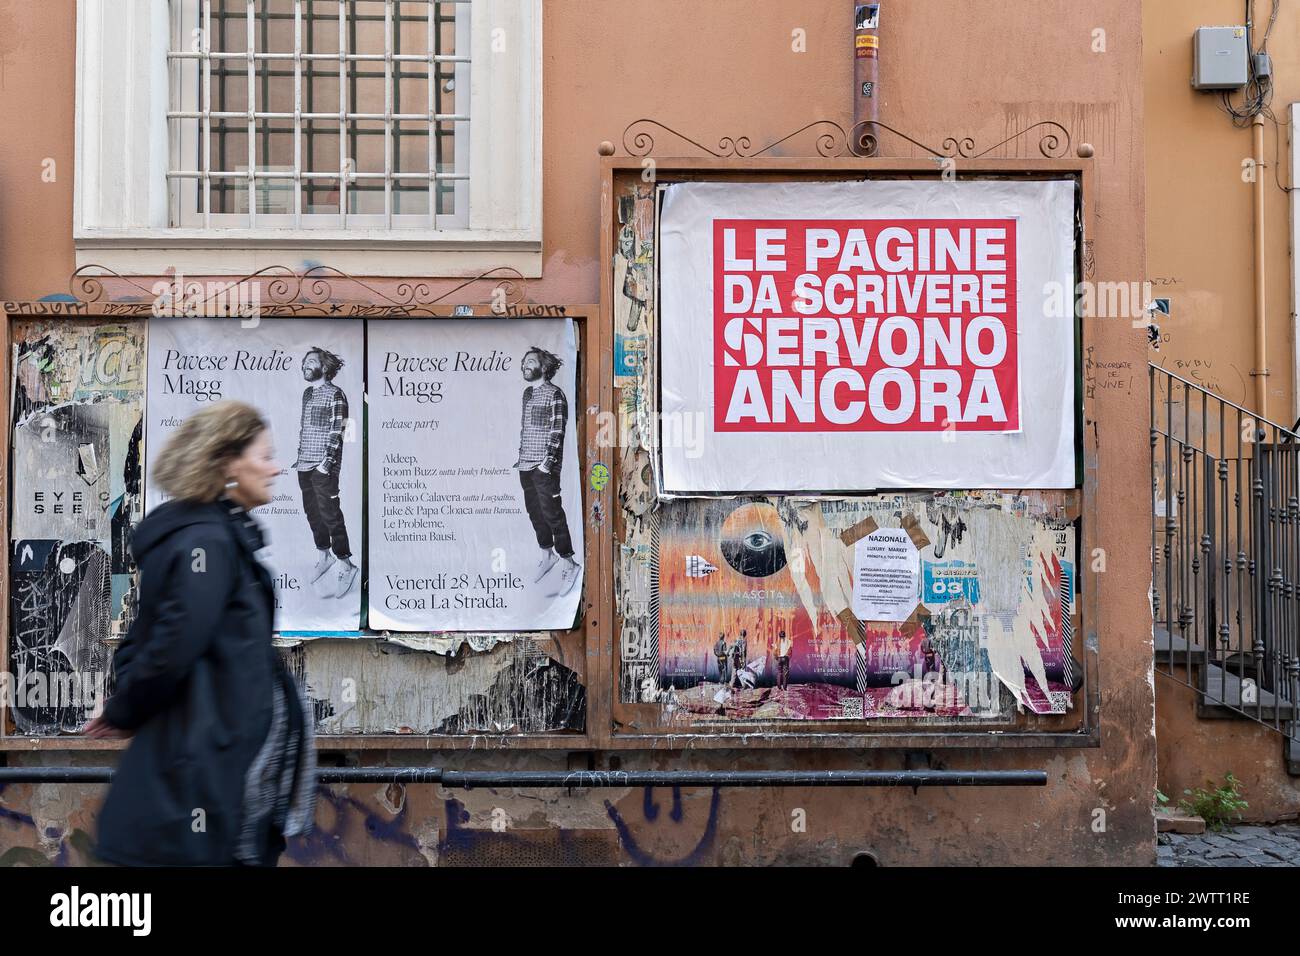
(865, 325)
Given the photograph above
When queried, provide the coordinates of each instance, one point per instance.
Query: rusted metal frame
(787, 735)
(837, 733)
(828, 733)
(596, 368)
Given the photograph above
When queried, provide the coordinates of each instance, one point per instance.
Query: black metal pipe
(463, 779)
(746, 778)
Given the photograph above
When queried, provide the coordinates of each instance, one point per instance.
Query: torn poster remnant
(1030, 646)
(633, 277)
(373, 687)
(772, 634)
(76, 496)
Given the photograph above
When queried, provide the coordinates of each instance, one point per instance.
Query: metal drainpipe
(464, 779)
(1261, 341)
(866, 67)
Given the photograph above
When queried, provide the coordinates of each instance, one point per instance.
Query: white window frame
(122, 196)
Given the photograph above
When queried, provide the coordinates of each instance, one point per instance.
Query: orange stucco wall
(1200, 254)
(727, 68)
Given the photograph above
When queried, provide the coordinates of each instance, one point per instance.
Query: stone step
(1171, 649)
(1222, 698)
(1170, 820)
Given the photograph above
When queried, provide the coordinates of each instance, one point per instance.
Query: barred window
(331, 114)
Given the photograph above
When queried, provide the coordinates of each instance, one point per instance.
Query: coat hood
(170, 517)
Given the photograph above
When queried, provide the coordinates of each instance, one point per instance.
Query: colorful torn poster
(753, 617)
(305, 376)
(634, 279)
(76, 497)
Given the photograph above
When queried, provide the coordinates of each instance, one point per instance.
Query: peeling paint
(379, 687)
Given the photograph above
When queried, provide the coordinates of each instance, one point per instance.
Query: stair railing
(1225, 548)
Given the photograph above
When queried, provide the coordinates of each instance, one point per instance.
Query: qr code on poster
(851, 707)
(1060, 700)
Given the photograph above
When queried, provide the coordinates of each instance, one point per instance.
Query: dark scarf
(246, 526)
(280, 785)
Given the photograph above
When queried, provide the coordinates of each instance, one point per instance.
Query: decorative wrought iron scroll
(320, 290)
(831, 139)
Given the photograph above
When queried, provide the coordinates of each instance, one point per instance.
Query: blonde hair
(192, 465)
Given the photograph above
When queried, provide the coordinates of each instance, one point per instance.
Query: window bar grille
(216, 66)
(224, 158)
(389, 40)
(264, 99)
(395, 55)
(344, 99)
(431, 48)
(311, 104)
(176, 130)
(460, 144)
(297, 113)
(250, 29)
(205, 104)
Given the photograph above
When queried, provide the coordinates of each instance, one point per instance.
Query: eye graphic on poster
(475, 490)
(305, 377)
(751, 541)
(839, 336)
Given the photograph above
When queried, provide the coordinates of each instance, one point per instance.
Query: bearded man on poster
(541, 454)
(320, 459)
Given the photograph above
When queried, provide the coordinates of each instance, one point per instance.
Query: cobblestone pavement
(1277, 845)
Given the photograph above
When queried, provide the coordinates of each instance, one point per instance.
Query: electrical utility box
(1219, 58)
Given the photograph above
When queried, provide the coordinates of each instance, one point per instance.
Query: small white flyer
(886, 576)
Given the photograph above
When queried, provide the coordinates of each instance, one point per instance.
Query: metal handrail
(1225, 551)
(1218, 398)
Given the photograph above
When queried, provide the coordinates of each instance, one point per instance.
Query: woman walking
(221, 766)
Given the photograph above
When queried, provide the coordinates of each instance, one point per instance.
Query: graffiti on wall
(77, 400)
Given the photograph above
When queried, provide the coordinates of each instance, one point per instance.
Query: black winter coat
(194, 682)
